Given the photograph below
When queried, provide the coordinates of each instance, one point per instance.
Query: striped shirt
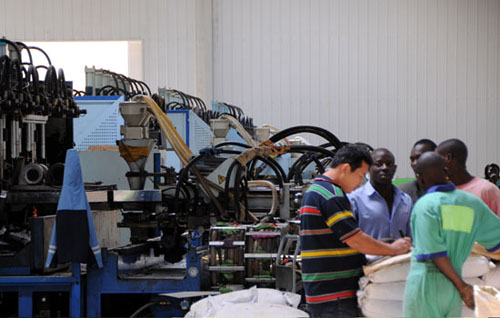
(330, 268)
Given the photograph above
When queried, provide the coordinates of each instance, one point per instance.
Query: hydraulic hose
(274, 194)
(237, 125)
(232, 143)
(43, 52)
(331, 138)
(275, 166)
(24, 46)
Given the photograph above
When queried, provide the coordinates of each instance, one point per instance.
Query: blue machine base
(106, 281)
(25, 286)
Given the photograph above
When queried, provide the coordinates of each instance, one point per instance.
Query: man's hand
(367, 245)
(467, 295)
(465, 290)
(401, 246)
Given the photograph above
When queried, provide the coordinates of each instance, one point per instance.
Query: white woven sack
(487, 301)
(393, 273)
(259, 310)
(475, 266)
(277, 297)
(207, 307)
(382, 308)
(492, 278)
(385, 291)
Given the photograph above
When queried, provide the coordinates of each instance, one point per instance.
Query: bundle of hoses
(241, 130)
(179, 146)
(168, 129)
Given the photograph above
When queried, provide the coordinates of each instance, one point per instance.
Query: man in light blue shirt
(382, 210)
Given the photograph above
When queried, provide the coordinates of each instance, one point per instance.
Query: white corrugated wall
(176, 34)
(386, 72)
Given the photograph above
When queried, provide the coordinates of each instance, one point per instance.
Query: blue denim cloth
(372, 213)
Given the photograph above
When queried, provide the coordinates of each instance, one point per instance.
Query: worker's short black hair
(352, 154)
(456, 148)
(427, 142)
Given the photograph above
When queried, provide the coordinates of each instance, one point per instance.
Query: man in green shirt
(445, 223)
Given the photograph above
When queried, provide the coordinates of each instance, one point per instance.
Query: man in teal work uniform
(445, 223)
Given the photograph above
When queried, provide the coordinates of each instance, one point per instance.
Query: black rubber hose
(133, 86)
(138, 311)
(147, 87)
(62, 84)
(236, 191)
(16, 74)
(274, 165)
(182, 176)
(24, 46)
(43, 52)
(232, 143)
(297, 165)
(310, 148)
(51, 82)
(5, 68)
(33, 75)
(228, 175)
(331, 138)
(106, 90)
(299, 171)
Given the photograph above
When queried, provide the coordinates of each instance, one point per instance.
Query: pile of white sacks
(248, 303)
(382, 288)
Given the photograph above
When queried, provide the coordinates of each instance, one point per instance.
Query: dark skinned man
(454, 154)
(412, 188)
(382, 210)
(332, 242)
(445, 223)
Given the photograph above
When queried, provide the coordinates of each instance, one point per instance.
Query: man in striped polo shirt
(331, 241)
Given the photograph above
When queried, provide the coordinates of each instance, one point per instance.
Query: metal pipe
(42, 137)
(28, 136)
(13, 135)
(19, 139)
(33, 145)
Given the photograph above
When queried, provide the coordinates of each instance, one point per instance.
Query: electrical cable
(232, 143)
(138, 311)
(24, 46)
(43, 52)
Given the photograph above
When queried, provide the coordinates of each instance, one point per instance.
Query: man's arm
(465, 290)
(368, 245)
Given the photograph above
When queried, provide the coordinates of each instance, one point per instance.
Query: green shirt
(444, 222)
(448, 224)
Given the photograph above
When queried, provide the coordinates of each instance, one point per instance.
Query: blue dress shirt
(372, 212)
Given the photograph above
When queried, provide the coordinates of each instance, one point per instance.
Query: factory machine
(232, 187)
(36, 116)
(210, 205)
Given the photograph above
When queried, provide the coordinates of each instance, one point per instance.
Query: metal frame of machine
(230, 203)
(25, 286)
(113, 280)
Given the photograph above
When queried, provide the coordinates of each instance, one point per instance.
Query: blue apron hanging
(73, 238)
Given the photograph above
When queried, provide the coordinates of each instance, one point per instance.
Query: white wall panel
(386, 72)
(176, 35)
